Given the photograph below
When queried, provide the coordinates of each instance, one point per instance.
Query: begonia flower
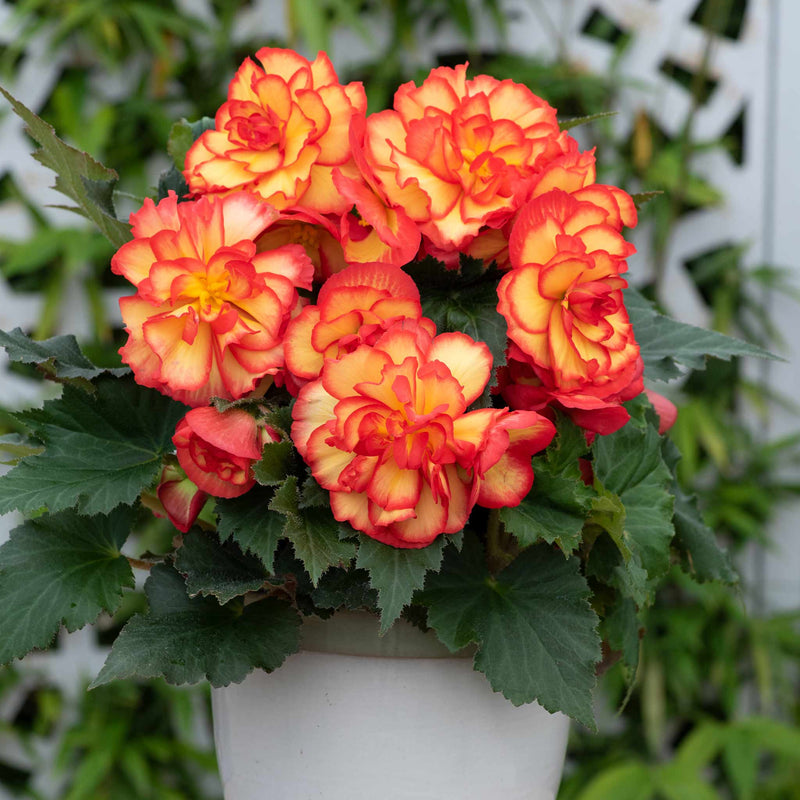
(573, 344)
(317, 234)
(565, 183)
(354, 307)
(209, 312)
(568, 316)
(557, 223)
(178, 498)
(385, 429)
(217, 449)
(595, 405)
(377, 230)
(458, 154)
(571, 171)
(280, 134)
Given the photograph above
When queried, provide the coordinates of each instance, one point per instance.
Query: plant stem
(138, 563)
(501, 549)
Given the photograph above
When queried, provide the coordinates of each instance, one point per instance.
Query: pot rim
(357, 633)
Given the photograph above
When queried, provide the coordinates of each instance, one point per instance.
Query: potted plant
(384, 376)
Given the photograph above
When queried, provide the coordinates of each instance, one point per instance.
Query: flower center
(206, 292)
(304, 234)
(591, 302)
(259, 131)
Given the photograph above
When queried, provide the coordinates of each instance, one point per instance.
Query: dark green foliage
(556, 508)
(101, 450)
(60, 569)
(532, 623)
(221, 570)
(187, 639)
(79, 176)
(396, 573)
(666, 343)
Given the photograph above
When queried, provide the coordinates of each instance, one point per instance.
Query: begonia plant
(384, 361)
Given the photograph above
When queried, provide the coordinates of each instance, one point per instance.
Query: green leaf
(59, 569)
(608, 513)
(273, 467)
(557, 506)
(182, 135)
(59, 357)
(91, 772)
(171, 180)
(774, 736)
(312, 494)
(179, 141)
(468, 305)
(664, 343)
(620, 568)
(101, 450)
(313, 532)
(185, 639)
(397, 573)
(701, 553)
(222, 570)
(200, 126)
(250, 523)
(315, 537)
(742, 761)
(345, 588)
(642, 198)
(536, 517)
(535, 631)
(310, 17)
(697, 544)
(675, 783)
(700, 747)
(78, 175)
(628, 463)
(574, 122)
(622, 626)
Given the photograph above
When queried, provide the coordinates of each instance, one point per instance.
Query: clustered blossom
(386, 430)
(572, 345)
(209, 313)
(285, 266)
(281, 133)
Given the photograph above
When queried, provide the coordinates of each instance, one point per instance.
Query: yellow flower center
(207, 293)
(304, 234)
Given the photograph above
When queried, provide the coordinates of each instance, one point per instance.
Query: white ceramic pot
(357, 717)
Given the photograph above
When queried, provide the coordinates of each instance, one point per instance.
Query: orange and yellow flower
(282, 131)
(318, 235)
(562, 299)
(459, 154)
(354, 307)
(568, 316)
(377, 231)
(558, 223)
(596, 406)
(177, 498)
(572, 173)
(385, 429)
(217, 449)
(209, 313)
